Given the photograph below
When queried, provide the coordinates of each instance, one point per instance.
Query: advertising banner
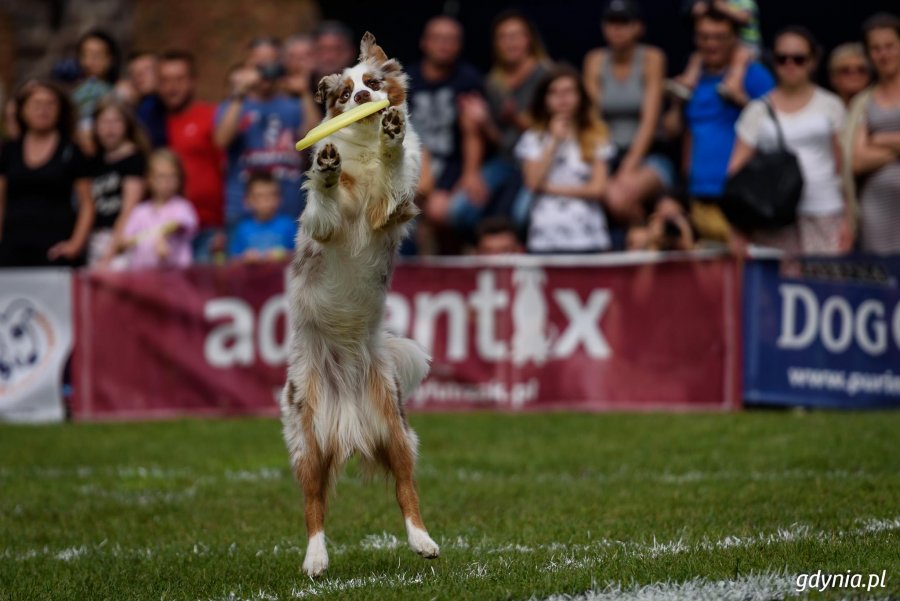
(35, 343)
(823, 332)
(517, 334)
(200, 341)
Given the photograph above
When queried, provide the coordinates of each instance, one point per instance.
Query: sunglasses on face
(797, 59)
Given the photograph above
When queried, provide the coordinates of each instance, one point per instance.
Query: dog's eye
(375, 85)
(345, 96)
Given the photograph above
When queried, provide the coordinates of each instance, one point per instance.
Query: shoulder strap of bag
(781, 143)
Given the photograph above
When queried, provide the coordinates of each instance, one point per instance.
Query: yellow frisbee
(341, 121)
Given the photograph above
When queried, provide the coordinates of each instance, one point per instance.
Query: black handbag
(765, 193)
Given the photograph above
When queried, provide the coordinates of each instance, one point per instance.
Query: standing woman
(520, 63)
(564, 156)
(39, 224)
(811, 120)
(876, 145)
(625, 81)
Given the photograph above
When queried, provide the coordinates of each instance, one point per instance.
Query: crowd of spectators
(115, 164)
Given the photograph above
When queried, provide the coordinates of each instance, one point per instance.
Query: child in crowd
(159, 230)
(98, 57)
(745, 13)
(118, 184)
(564, 162)
(265, 234)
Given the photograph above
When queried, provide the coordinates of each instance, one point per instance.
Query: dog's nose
(362, 96)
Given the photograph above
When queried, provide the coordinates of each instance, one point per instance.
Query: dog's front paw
(316, 561)
(328, 164)
(393, 125)
(421, 543)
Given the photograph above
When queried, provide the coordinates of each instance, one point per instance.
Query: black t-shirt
(106, 188)
(433, 111)
(40, 210)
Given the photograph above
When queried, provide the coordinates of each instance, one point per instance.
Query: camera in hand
(271, 71)
(671, 235)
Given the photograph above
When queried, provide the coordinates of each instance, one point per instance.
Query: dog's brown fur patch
(377, 213)
(396, 93)
(348, 181)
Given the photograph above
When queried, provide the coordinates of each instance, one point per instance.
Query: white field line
(563, 556)
(269, 473)
(183, 485)
(674, 478)
(753, 587)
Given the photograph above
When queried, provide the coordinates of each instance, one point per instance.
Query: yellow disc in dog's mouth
(327, 128)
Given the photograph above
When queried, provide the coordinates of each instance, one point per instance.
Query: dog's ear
(326, 84)
(368, 49)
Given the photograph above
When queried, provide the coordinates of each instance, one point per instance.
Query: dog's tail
(410, 362)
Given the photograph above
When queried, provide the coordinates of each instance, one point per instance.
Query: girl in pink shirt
(159, 230)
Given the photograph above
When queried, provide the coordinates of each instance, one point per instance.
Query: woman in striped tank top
(876, 152)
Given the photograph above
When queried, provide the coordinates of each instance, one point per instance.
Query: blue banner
(822, 332)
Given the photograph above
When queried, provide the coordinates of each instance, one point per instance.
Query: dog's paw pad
(392, 123)
(328, 158)
(421, 543)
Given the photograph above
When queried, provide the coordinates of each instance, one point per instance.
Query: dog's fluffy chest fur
(341, 282)
(359, 202)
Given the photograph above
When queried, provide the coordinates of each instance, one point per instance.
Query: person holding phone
(257, 126)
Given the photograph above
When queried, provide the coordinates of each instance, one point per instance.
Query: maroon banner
(514, 333)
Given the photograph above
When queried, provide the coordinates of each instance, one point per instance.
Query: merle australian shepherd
(348, 378)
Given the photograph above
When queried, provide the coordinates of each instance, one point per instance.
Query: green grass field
(523, 506)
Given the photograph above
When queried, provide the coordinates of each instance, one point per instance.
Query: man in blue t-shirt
(258, 127)
(436, 85)
(710, 121)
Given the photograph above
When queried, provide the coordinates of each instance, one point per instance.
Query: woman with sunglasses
(876, 142)
(811, 120)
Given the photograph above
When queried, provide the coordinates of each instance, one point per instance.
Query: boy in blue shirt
(266, 234)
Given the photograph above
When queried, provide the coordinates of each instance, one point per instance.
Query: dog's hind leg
(400, 457)
(313, 472)
(312, 468)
